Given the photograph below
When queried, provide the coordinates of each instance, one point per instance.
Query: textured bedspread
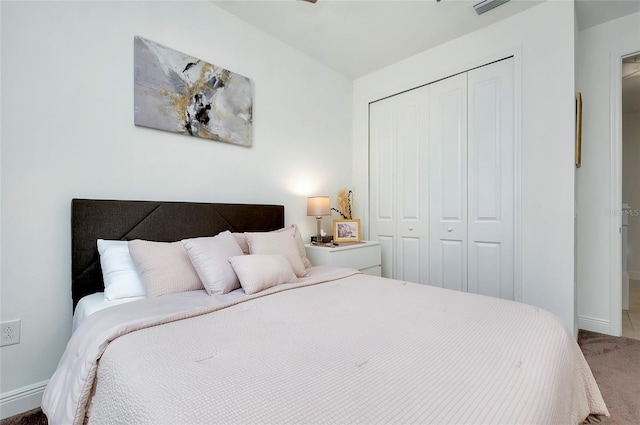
(358, 349)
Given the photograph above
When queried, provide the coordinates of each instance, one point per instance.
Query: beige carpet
(32, 417)
(615, 363)
(631, 317)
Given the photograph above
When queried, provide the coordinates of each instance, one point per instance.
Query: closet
(442, 193)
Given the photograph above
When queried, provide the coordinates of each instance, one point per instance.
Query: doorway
(630, 209)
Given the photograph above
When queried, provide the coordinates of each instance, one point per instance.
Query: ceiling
(357, 37)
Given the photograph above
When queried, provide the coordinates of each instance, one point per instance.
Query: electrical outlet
(10, 332)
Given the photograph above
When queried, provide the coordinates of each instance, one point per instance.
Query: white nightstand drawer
(363, 256)
(360, 258)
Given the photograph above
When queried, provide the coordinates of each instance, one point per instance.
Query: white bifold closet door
(399, 165)
(448, 175)
(442, 182)
(491, 180)
(472, 189)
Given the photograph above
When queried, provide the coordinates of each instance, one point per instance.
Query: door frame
(615, 206)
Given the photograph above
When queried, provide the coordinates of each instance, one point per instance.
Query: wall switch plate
(10, 332)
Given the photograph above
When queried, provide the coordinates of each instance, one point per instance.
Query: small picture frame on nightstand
(346, 230)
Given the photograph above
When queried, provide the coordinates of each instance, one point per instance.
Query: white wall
(630, 188)
(542, 39)
(597, 48)
(67, 131)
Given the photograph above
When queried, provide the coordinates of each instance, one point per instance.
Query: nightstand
(364, 256)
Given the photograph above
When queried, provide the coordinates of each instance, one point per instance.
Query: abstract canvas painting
(179, 93)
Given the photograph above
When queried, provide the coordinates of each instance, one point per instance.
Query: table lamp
(318, 206)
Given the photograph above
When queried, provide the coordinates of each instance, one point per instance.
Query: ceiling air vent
(487, 5)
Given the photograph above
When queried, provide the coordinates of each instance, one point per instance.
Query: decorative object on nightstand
(318, 206)
(343, 202)
(346, 230)
(325, 238)
(364, 256)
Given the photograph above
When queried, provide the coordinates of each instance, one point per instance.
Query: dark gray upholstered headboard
(155, 221)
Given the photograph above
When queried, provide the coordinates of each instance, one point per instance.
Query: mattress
(338, 347)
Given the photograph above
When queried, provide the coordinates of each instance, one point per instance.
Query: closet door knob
(410, 227)
(449, 229)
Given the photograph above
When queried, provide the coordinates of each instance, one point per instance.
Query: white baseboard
(634, 275)
(595, 325)
(22, 399)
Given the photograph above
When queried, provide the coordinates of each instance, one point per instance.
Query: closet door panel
(387, 249)
(491, 180)
(448, 182)
(453, 266)
(382, 158)
(485, 274)
(413, 186)
(383, 182)
(409, 258)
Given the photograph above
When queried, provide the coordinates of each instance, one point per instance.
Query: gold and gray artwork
(179, 93)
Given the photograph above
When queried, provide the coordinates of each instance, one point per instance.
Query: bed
(331, 346)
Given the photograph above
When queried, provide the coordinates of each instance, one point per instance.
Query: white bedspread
(356, 349)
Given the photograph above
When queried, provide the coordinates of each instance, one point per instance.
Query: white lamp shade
(318, 206)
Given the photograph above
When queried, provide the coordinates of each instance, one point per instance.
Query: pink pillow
(274, 243)
(210, 258)
(298, 237)
(259, 272)
(293, 229)
(164, 267)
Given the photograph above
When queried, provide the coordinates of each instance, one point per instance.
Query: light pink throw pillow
(210, 258)
(298, 237)
(274, 243)
(260, 272)
(293, 229)
(164, 267)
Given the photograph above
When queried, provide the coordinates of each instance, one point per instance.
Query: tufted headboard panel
(93, 219)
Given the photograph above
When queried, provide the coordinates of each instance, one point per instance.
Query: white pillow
(164, 267)
(282, 243)
(210, 258)
(121, 280)
(259, 272)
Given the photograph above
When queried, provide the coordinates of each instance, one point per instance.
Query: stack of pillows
(219, 264)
